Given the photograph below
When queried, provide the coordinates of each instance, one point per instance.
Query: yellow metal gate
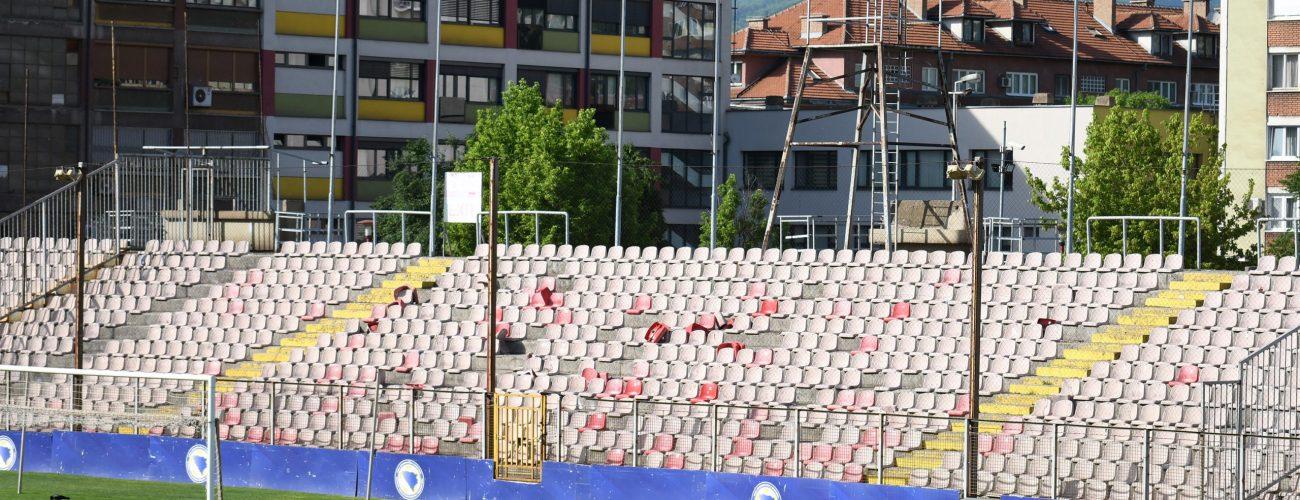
(520, 436)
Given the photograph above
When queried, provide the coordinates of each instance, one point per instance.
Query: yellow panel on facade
(318, 188)
(638, 46)
(306, 24)
(390, 110)
(476, 36)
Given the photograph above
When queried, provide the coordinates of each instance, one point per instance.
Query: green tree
(410, 191)
(545, 163)
(740, 226)
(1133, 169)
(1284, 244)
(1130, 100)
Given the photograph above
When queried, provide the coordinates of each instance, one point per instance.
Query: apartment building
(1261, 111)
(569, 47)
(41, 117)
(1020, 48)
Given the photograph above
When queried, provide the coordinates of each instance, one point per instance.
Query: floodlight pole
(334, 104)
(977, 268)
(618, 175)
(433, 146)
(1074, 110)
(489, 418)
(79, 333)
(1187, 110)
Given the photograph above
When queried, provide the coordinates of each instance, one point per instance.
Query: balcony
(637, 46)
(307, 106)
(135, 14)
(473, 35)
(390, 110)
(392, 30)
(307, 24)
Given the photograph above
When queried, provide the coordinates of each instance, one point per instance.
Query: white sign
(464, 196)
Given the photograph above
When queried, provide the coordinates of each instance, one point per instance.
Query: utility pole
(977, 269)
(1002, 169)
(1187, 110)
(1074, 110)
(489, 406)
(78, 176)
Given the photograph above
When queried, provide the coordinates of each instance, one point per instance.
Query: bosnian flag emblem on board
(8, 453)
(408, 479)
(765, 491)
(196, 463)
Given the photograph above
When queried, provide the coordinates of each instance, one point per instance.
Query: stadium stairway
(1131, 327)
(418, 275)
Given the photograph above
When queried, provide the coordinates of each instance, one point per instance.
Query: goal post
(123, 402)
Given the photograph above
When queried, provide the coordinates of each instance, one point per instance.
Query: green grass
(42, 486)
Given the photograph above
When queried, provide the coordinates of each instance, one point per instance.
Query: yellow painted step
(394, 284)
(1092, 352)
(921, 459)
(1147, 320)
(327, 325)
(946, 441)
(1007, 409)
(1182, 294)
(1209, 286)
(1119, 338)
(272, 355)
(1206, 276)
(1034, 389)
(984, 427)
(1061, 371)
(1172, 302)
(1016, 399)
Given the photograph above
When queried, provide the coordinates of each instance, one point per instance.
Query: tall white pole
(1002, 169)
(433, 142)
(1074, 110)
(717, 112)
(618, 181)
(1187, 110)
(334, 104)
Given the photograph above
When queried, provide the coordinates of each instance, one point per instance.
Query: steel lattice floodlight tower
(876, 31)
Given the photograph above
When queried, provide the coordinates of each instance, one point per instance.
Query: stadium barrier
(344, 472)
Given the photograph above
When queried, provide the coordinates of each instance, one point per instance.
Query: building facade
(1261, 113)
(569, 47)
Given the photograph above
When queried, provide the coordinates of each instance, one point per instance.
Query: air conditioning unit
(201, 97)
(1005, 81)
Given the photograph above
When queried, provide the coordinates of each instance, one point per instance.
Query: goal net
(41, 399)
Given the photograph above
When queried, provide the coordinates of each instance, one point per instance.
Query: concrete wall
(1243, 117)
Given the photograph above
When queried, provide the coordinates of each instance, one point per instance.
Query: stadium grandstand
(845, 366)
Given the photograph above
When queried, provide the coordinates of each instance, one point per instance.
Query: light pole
(955, 93)
(334, 104)
(974, 172)
(1187, 110)
(77, 175)
(1074, 110)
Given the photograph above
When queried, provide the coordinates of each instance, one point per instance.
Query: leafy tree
(1130, 100)
(1132, 169)
(545, 163)
(410, 192)
(738, 225)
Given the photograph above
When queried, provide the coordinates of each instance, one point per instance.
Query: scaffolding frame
(877, 30)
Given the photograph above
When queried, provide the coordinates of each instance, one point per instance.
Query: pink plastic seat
(950, 277)
(961, 407)
(640, 304)
(901, 310)
(315, 312)
(755, 290)
(1187, 374)
(766, 307)
(615, 456)
(708, 392)
(595, 422)
(631, 389)
(868, 343)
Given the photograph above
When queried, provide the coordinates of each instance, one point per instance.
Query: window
(481, 12)
(1280, 205)
(1284, 8)
(687, 173)
(1022, 33)
(1207, 46)
(1122, 84)
(305, 60)
(222, 70)
(1282, 143)
(1162, 44)
(824, 235)
(605, 17)
(1168, 90)
(1205, 95)
(1092, 84)
(300, 141)
(760, 169)
(972, 30)
(379, 159)
(390, 80)
(536, 16)
(975, 86)
(557, 86)
(603, 96)
(687, 104)
(139, 66)
(737, 73)
(224, 3)
(924, 169)
(479, 84)
(815, 170)
(689, 30)
(450, 150)
(1283, 71)
(395, 9)
(1022, 84)
(1062, 86)
(930, 79)
(993, 164)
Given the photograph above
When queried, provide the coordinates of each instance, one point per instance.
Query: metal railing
(505, 220)
(1010, 234)
(350, 219)
(1289, 225)
(1160, 221)
(862, 226)
(1262, 411)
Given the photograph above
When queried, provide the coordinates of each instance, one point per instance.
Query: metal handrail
(537, 223)
(1160, 219)
(374, 216)
(1259, 234)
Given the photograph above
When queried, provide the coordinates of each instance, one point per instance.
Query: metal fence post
(410, 420)
(713, 437)
(137, 404)
(340, 414)
(636, 432)
(274, 408)
(880, 451)
(966, 459)
(374, 428)
(798, 443)
(1056, 438)
(1146, 464)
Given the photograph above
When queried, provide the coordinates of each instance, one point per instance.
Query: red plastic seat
(232, 417)
(1188, 374)
(901, 310)
(766, 307)
(429, 444)
(409, 360)
(755, 290)
(591, 374)
(737, 346)
(839, 309)
(595, 422)
(773, 467)
(663, 443)
(740, 448)
(315, 312)
(961, 407)
(615, 456)
(656, 333)
(395, 443)
(640, 305)
(631, 389)
(542, 298)
(612, 388)
(706, 322)
(562, 317)
(674, 461)
(708, 392)
(868, 343)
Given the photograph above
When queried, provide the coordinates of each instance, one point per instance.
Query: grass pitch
(43, 486)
